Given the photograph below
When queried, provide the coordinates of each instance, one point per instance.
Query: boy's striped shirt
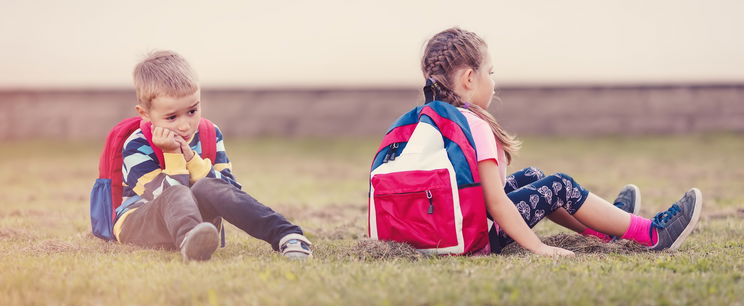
(144, 180)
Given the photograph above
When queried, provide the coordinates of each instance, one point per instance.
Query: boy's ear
(143, 113)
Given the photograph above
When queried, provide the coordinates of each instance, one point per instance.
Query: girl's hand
(546, 250)
(165, 139)
(188, 153)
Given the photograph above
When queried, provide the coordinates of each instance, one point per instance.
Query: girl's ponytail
(510, 143)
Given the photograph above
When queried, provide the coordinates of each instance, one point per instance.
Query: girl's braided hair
(448, 51)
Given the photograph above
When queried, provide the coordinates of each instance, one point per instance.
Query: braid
(448, 51)
(436, 66)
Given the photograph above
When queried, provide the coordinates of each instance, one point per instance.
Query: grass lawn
(47, 255)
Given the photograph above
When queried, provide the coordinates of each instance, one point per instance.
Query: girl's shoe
(675, 224)
(295, 246)
(629, 200)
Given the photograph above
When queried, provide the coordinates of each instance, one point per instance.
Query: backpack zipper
(429, 196)
(431, 202)
(392, 150)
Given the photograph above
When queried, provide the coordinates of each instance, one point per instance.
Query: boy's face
(180, 115)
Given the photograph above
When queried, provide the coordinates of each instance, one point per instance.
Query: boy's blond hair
(163, 73)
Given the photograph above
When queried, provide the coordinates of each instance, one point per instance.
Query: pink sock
(591, 232)
(638, 231)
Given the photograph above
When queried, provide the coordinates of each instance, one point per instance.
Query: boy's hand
(165, 139)
(188, 153)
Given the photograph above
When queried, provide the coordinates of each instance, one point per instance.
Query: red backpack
(106, 194)
(424, 184)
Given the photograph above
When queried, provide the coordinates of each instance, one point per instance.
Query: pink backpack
(424, 184)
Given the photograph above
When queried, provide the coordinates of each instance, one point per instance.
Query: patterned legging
(537, 196)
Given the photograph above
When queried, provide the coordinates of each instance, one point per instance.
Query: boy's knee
(176, 191)
(177, 195)
(205, 186)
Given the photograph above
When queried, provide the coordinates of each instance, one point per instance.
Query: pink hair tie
(466, 105)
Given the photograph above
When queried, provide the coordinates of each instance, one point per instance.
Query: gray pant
(164, 221)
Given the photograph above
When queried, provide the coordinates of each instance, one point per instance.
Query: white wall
(86, 43)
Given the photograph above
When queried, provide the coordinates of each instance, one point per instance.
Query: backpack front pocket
(415, 207)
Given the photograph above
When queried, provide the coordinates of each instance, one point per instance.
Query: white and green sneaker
(295, 246)
(676, 223)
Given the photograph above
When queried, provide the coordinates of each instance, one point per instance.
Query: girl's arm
(506, 215)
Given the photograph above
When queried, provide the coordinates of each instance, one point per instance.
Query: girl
(458, 71)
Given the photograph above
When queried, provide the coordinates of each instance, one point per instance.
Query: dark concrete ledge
(589, 109)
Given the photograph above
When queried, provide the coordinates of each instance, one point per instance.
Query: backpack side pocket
(100, 209)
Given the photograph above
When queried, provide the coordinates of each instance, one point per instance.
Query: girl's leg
(522, 178)
(628, 200)
(560, 216)
(667, 230)
(563, 218)
(599, 214)
(539, 199)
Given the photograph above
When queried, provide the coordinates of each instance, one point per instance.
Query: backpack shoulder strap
(109, 165)
(454, 131)
(208, 139)
(114, 144)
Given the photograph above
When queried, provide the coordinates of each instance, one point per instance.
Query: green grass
(47, 255)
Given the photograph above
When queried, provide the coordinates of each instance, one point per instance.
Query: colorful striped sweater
(145, 181)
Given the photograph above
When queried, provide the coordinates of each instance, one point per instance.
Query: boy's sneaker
(629, 200)
(200, 242)
(295, 246)
(675, 224)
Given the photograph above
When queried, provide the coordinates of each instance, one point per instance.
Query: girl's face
(483, 83)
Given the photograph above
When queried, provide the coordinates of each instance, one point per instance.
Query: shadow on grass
(372, 250)
(582, 244)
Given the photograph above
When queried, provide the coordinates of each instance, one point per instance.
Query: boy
(181, 206)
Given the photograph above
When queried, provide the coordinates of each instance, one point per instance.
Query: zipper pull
(390, 154)
(394, 150)
(431, 202)
(387, 154)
